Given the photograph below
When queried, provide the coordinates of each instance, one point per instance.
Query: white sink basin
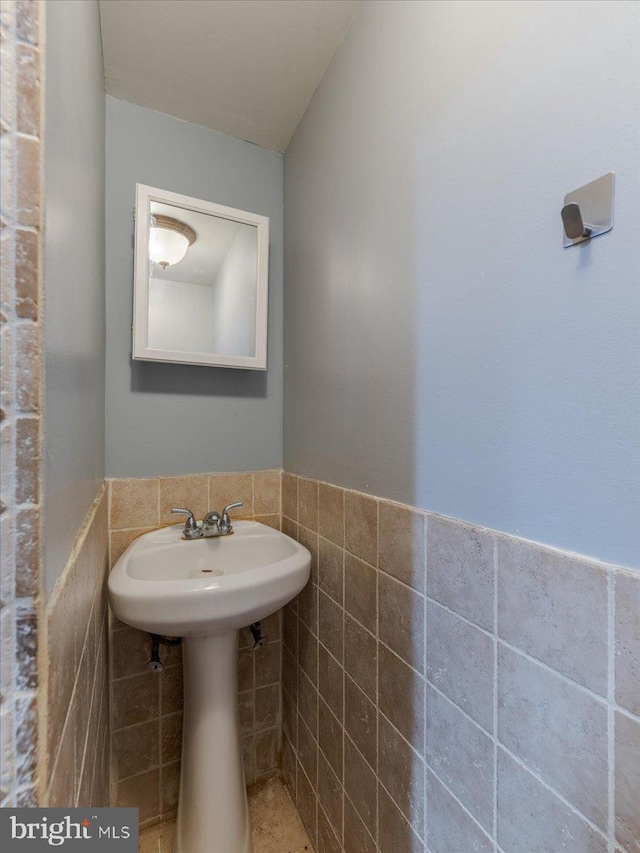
(164, 584)
(204, 591)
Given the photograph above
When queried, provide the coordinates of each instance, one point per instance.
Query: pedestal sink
(205, 591)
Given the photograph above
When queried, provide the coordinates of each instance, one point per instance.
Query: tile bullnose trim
(480, 528)
(78, 544)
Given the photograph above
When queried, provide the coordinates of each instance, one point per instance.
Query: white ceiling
(247, 68)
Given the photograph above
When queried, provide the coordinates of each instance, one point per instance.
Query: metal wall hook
(588, 211)
(574, 225)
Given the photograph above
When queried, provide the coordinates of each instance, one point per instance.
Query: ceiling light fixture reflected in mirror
(169, 240)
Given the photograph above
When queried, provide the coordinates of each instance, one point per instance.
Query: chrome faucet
(213, 524)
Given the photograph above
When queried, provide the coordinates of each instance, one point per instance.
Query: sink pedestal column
(213, 815)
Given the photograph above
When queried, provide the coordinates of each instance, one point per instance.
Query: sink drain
(206, 573)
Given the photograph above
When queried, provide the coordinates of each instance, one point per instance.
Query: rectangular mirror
(200, 283)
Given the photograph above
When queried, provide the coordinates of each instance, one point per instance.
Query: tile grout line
(252, 736)
(160, 684)
(160, 716)
(377, 638)
(66, 724)
(461, 804)
(576, 811)
(109, 549)
(522, 764)
(426, 670)
(347, 797)
(399, 733)
(420, 675)
(495, 694)
(464, 619)
(603, 700)
(359, 751)
(296, 672)
(344, 671)
(151, 527)
(317, 651)
(401, 811)
(91, 704)
(611, 662)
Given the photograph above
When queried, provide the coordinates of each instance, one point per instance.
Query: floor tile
(276, 826)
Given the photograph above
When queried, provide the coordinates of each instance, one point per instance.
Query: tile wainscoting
(146, 707)
(78, 686)
(436, 678)
(450, 688)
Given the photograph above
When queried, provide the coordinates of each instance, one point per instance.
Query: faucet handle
(225, 523)
(191, 529)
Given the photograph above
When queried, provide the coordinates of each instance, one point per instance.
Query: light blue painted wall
(74, 317)
(174, 418)
(441, 347)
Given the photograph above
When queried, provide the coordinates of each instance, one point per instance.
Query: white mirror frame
(141, 350)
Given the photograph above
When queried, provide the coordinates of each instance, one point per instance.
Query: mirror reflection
(202, 282)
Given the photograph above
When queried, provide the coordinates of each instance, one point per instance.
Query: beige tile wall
(20, 422)
(146, 710)
(453, 689)
(77, 684)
